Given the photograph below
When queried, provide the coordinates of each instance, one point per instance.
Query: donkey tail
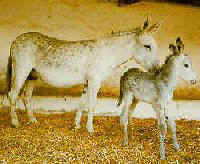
(9, 73)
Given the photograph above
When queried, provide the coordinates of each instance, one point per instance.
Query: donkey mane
(136, 31)
(168, 58)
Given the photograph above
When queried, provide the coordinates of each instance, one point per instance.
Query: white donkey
(63, 63)
(155, 88)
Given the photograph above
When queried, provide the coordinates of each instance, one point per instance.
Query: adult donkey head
(146, 46)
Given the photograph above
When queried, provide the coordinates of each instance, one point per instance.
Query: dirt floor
(53, 140)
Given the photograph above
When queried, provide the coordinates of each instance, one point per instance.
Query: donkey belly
(61, 78)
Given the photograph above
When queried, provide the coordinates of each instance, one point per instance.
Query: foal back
(141, 84)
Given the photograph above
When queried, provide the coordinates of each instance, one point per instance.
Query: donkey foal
(155, 88)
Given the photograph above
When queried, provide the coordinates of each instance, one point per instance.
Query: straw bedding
(53, 140)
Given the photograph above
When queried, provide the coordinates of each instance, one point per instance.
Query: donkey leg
(21, 64)
(172, 124)
(80, 108)
(93, 88)
(78, 119)
(124, 116)
(16, 85)
(28, 90)
(12, 97)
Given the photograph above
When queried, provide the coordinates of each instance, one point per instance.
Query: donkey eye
(186, 65)
(147, 46)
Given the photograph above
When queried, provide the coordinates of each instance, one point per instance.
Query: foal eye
(186, 65)
(147, 46)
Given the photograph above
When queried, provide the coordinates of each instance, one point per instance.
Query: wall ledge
(179, 109)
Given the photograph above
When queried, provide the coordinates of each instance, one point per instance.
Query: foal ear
(179, 44)
(173, 49)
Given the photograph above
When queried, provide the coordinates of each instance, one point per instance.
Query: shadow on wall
(181, 93)
(187, 93)
(74, 91)
(3, 85)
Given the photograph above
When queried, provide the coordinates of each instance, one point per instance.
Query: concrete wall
(87, 19)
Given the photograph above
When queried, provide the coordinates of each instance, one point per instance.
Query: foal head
(183, 62)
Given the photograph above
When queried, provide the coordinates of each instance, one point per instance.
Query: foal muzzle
(193, 82)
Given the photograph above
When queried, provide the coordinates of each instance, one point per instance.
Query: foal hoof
(90, 129)
(76, 127)
(177, 147)
(162, 157)
(15, 123)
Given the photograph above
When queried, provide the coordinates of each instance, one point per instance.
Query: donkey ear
(146, 23)
(179, 44)
(154, 28)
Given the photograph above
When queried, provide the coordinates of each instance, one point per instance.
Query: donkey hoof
(124, 143)
(15, 123)
(177, 147)
(77, 126)
(33, 120)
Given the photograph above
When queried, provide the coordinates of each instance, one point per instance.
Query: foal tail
(121, 91)
(9, 73)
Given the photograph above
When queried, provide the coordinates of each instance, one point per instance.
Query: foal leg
(172, 124)
(132, 109)
(163, 129)
(28, 90)
(93, 88)
(130, 112)
(124, 116)
(80, 108)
